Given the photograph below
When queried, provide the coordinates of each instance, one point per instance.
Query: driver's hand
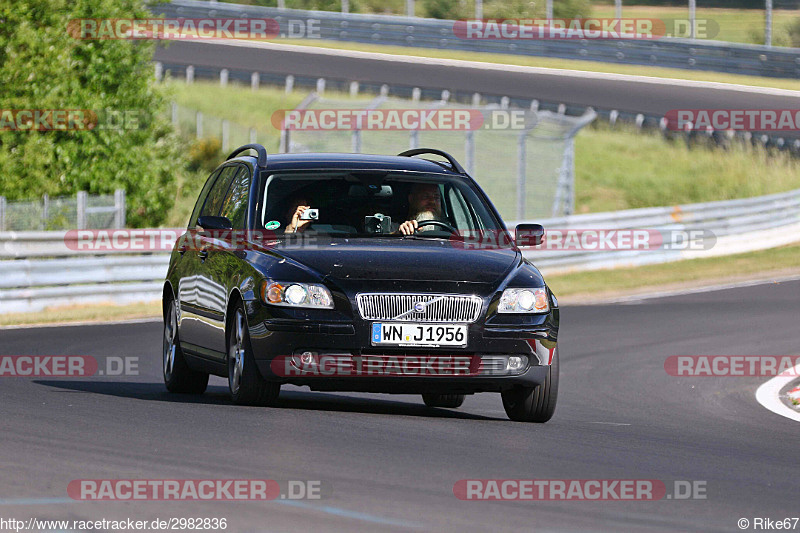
(408, 227)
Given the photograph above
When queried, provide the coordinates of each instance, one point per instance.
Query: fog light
(514, 363)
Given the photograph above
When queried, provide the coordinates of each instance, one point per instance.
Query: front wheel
(534, 404)
(247, 385)
(443, 400)
(178, 377)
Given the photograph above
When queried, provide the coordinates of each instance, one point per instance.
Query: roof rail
(450, 159)
(262, 153)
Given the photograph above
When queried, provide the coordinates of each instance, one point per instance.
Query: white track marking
(767, 394)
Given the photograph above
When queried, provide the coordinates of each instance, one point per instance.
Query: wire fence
(83, 211)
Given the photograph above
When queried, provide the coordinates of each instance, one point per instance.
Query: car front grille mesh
(419, 307)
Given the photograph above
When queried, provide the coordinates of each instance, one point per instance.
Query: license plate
(410, 334)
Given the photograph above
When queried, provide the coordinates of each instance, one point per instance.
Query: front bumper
(349, 341)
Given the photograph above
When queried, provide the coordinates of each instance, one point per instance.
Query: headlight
(296, 294)
(524, 301)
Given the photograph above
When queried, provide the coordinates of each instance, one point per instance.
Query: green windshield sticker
(272, 224)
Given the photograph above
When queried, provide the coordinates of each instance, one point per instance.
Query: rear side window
(235, 204)
(218, 191)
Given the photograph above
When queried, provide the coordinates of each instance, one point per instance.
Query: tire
(178, 377)
(443, 400)
(247, 385)
(534, 404)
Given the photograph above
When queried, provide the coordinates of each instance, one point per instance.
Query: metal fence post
(413, 140)
(2, 213)
(223, 77)
(189, 74)
(345, 6)
(521, 171)
(253, 136)
(478, 9)
(226, 135)
(289, 84)
(356, 141)
(320, 86)
(119, 206)
(768, 26)
(469, 148)
(174, 113)
(409, 8)
(199, 125)
(45, 211)
(255, 81)
(82, 198)
(692, 17)
(353, 89)
(159, 70)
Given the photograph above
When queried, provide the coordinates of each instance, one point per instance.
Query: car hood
(403, 260)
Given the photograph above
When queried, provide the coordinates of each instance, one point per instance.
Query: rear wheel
(534, 404)
(246, 384)
(443, 400)
(178, 377)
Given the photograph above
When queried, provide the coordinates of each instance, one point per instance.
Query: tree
(43, 67)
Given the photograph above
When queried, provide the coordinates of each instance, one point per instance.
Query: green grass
(83, 313)
(626, 169)
(735, 25)
(616, 282)
(556, 63)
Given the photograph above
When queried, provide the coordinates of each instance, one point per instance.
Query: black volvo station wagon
(351, 272)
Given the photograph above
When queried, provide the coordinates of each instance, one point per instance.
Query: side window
(202, 198)
(461, 213)
(235, 204)
(218, 191)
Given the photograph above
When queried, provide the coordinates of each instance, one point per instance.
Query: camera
(378, 224)
(310, 214)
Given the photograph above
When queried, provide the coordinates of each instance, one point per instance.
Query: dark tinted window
(235, 204)
(218, 191)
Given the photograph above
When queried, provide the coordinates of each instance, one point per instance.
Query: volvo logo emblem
(419, 307)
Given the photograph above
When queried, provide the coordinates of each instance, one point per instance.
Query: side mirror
(529, 235)
(214, 223)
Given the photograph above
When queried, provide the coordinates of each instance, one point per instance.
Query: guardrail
(433, 33)
(43, 269)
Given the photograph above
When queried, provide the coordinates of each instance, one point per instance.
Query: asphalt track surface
(388, 463)
(556, 87)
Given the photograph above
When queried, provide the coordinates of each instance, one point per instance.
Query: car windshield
(374, 204)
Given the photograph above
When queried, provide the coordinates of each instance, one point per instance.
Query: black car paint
(347, 267)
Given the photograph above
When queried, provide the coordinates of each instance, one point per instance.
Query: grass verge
(599, 284)
(83, 313)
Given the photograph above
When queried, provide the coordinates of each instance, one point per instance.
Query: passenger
(296, 208)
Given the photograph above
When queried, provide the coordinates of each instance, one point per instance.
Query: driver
(424, 203)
